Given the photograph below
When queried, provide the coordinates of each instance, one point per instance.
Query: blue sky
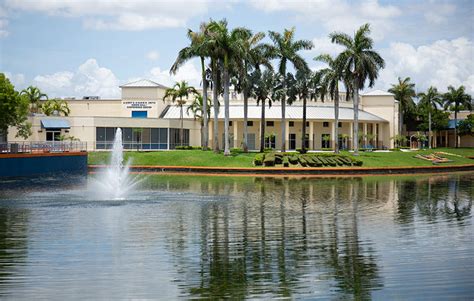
(76, 48)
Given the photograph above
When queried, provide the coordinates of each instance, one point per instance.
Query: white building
(150, 123)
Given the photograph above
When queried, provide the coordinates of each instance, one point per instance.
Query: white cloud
(3, 27)
(340, 15)
(438, 13)
(88, 79)
(324, 45)
(188, 72)
(18, 80)
(153, 55)
(439, 64)
(119, 14)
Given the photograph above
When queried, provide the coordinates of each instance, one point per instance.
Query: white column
(351, 134)
(365, 134)
(287, 131)
(311, 134)
(333, 133)
(236, 133)
(210, 127)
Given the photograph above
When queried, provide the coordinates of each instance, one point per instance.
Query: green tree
(262, 91)
(35, 96)
(456, 100)
(13, 109)
(176, 94)
(252, 56)
(331, 77)
(285, 49)
(197, 108)
(55, 107)
(428, 105)
(404, 92)
(361, 63)
(229, 46)
(197, 48)
(466, 126)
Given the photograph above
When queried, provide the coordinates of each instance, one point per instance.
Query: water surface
(181, 237)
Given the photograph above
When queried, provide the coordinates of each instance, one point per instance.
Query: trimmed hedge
(187, 147)
(305, 160)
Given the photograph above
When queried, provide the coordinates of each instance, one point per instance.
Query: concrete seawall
(34, 164)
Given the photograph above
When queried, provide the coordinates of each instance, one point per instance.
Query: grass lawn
(209, 158)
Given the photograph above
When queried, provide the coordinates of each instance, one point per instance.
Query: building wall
(387, 108)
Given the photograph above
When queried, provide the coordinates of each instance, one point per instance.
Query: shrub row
(187, 147)
(306, 160)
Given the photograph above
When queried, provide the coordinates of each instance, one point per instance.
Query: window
(339, 124)
(53, 135)
(249, 123)
(325, 124)
(270, 123)
(325, 141)
(291, 124)
(270, 141)
(307, 123)
(139, 114)
(134, 138)
(230, 123)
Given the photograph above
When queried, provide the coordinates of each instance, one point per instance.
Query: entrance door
(292, 141)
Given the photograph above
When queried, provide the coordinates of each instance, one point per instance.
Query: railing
(42, 147)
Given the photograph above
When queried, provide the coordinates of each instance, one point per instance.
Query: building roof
(292, 113)
(377, 93)
(143, 83)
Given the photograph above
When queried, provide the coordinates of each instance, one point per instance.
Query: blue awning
(55, 124)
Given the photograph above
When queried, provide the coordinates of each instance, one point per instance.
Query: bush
(301, 151)
(187, 147)
(293, 159)
(269, 160)
(286, 161)
(236, 150)
(258, 160)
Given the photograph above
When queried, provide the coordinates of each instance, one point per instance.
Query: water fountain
(116, 182)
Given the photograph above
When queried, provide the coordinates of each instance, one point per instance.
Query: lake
(201, 237)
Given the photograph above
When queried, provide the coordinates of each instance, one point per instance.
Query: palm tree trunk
(283, 117)
(205, 135)
(226, 108)
(400, 123)
(429, 128)
(216, 106)
(245, 147)
(356, 118)
(181, 128)
(303, 129)
(262, 128)
(336, 121)
(455, 127)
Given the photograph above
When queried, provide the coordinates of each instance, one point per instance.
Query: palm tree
(456, 100)
(176, 94)
(429, 101)
(197, 108)
(252, 57)
(228, 45)
(404, 92)
(360, 62)
(285, 49)
(197, 48)
(262, 89)
(55, 107)
(330, 82)
(34, 96)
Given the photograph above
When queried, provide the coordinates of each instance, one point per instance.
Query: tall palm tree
(330, 78)
(253, 56)
(55, 107)
(285, 48)
(404, 92)
(34, 96)
(176, 94)
(197, 48)
(429, 101)
(456, 100)
(360, 63)
(197, 108)
(229, 46)
(262, 89)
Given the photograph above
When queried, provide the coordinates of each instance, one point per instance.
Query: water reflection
(239, 237)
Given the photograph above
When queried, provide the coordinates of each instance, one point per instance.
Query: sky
(90, 47)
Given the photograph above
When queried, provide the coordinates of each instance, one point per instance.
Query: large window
(139, 114)
(270, 141)
(325, 140)
(175, 138)
(134, 138)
